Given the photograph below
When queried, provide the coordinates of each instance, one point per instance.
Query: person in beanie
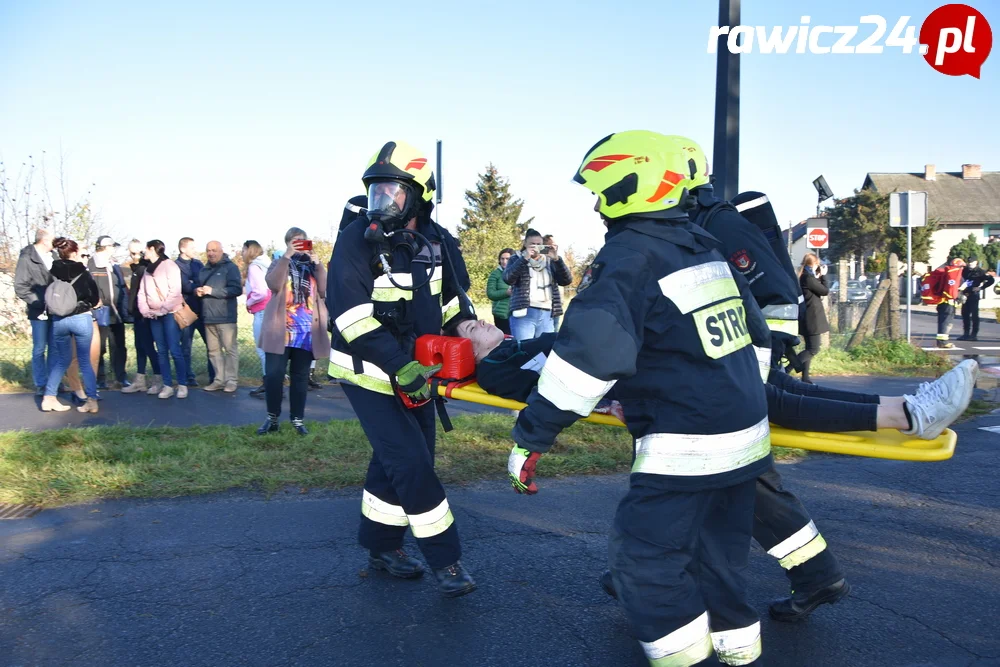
(974, 281)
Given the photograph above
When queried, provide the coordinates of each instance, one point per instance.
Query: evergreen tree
(490, 223)
(987, 254)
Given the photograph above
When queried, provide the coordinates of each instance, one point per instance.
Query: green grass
(879, 356)
(76, 465)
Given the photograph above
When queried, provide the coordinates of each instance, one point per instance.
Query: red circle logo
(956, 40)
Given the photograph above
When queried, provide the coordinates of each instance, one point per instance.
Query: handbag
(102, 316)
(184, 316)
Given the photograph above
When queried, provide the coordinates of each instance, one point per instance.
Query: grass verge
(68, 466)
(879, 356)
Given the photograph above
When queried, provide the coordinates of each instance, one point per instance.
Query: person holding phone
(813, 324)
(293, 333)
(219, 285)
(535, 275)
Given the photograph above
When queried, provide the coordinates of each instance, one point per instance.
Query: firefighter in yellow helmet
(667, 323)
(396, 275)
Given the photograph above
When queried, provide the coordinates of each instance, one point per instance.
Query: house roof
(950, 198)
(798, 231)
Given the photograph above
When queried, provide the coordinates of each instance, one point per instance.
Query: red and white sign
(817, 238)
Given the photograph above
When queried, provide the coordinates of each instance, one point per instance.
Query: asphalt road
(924, 330)
(238, 579)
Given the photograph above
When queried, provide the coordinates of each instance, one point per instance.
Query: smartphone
(305, 245)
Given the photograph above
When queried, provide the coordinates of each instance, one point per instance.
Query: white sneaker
(182, 391)
(937, 407)
(945, 386)
(166, 392)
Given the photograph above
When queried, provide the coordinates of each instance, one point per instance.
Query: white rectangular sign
(908, 209)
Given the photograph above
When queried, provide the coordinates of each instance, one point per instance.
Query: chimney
(930, 173)
(971, 171)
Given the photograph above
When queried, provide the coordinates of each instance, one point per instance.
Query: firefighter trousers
(782, 526)
(401, 488)
(945, 315)
(678, 561)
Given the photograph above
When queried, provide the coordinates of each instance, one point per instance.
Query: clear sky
(237, 120)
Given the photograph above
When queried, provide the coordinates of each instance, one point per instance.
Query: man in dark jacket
(218, 285)
(974, 281)
(114, 300)
(31, 277)
(191, 267)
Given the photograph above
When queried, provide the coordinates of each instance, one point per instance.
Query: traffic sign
(907, 209)
(817, 238)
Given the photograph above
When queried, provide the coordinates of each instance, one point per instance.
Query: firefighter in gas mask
(396, 275)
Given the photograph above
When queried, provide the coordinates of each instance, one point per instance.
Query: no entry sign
(817, 237)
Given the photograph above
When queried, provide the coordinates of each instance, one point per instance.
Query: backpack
(940, 285)
(60, 297)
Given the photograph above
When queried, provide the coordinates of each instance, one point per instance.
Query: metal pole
(437, 189)
(726, 152)
(909, 279)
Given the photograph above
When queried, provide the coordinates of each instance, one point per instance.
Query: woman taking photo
(499, 292)
(293, 332)
(159, 296)
(813, 323)
(535, 275)
(257, 293)
(79, 325)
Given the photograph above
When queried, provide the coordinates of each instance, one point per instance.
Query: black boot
(270, 426)
(607, 584)
(313, 384)
(299, 427)
(397, 563)
(800, 605)
(454, 581)
(259, 391)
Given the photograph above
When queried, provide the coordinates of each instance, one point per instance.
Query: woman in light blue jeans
(79, 325)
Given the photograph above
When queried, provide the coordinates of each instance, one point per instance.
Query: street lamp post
(726, 153)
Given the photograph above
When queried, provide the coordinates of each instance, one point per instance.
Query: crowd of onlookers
(524, 288)
(166, 301)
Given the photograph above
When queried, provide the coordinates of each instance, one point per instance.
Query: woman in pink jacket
(159, 296)
(258, 294)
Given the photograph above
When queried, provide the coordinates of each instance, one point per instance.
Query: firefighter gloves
(521, 470)
(412, 379)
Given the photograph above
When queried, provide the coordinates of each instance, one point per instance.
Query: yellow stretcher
(882, 444)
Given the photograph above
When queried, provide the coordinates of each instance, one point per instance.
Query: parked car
(856, 290)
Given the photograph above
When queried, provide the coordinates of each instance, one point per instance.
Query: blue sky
(237, 120)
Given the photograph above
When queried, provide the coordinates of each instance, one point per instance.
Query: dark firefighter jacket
(376, 324)
(667, 323)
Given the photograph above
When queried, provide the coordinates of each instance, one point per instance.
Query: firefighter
(782, 526)
(377, 319)
(941, 288)
(671, 327)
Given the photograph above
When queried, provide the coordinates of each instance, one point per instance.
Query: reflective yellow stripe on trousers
(685, 646)
(738, 647)
(800, 547)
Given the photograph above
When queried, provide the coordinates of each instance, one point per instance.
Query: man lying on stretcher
(510, 369)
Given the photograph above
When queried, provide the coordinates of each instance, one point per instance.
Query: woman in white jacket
(258, 295)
